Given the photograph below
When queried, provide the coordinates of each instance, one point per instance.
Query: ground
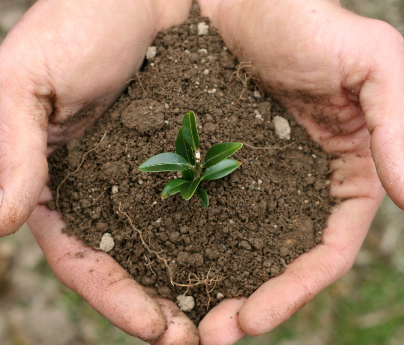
(364, 307)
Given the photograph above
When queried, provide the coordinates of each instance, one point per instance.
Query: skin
(339, 74)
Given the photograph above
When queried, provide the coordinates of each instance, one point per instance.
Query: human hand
(67, 62)
(341, 76)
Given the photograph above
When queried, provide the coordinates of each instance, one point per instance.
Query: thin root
(73, 172)
(193, 279)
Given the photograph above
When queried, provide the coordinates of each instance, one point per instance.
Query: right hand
(61, 67)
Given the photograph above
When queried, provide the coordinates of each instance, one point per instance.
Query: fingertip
(221, 324)
(180, 329)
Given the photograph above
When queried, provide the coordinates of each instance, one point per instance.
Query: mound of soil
(262, 216)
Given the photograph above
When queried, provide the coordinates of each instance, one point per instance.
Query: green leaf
(183, 149)
(203, 195)
(190, 130)
(220, 170)
(219, 152)
(172, 187)
(188, 175)
(188, 188)
(167, 161)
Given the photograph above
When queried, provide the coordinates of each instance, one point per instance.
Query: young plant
(188, 160)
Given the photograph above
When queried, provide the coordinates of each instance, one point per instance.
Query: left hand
(67, 62)
(341, 76)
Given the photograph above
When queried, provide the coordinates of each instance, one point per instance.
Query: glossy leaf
(188, 175)
(167, 161)
(219, 152)
(190, 130)
(203, 196)
(183, 149)
(221, 169)
(172, 187)
(189, 187)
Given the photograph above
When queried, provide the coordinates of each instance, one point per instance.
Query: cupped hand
(61, 67)
(342, 77)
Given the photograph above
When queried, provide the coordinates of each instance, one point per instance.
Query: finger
(279, 298)
(382, 99)
(23, 165)
(96, 277)
(220, 325)
(171, 12)
(180, 329)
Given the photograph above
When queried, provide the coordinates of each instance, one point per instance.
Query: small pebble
(212, 91)
(219, 295)
(107, 242)
(185, 303)
(300, 148)
(151, 53)
(202, 28)
(203, 51)
(206, 72)
(258, 116)
(187, 52)
(259, 181)
(314, 156)
(158, 221)
(282, 127)
(140, 181)
(257, 94)
(114, 189)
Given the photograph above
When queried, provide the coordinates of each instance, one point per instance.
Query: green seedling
(188, 160)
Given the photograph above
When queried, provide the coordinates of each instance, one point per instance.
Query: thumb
(23, 135)
(382, 100)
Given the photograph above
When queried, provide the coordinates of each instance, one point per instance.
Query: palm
(81, 54)
(325, 65)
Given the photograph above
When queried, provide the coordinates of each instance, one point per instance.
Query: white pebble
(114, 189)
(259, 181)
(151, 53)
(107, 242)
(152, 64)
(186, 303)
(314, 156)
(212, 91)
(202, 28)
(140, 181)
(300, 148)
(282, 127)
(166, 106)
(158, 221)
(257, 94)
(206, 72)
(203, 51)
(219, 295)
(258, 116)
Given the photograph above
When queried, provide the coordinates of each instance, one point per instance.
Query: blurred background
(364, 307)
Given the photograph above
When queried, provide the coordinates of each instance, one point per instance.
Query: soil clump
(261, 217)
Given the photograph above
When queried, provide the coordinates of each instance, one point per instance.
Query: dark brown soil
(262, 216)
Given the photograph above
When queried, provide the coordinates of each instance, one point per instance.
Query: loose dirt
(261, 217)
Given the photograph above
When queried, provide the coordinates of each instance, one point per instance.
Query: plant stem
(198, 166)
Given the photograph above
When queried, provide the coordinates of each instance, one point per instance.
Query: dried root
(193, 279)
(243, 76)
(73, 172)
